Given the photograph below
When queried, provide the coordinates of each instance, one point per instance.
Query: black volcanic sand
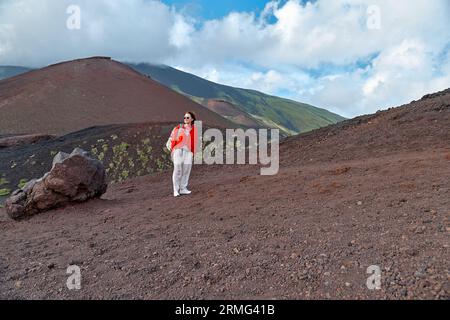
(126, 151)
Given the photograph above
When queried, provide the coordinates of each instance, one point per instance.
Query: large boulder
(74, 177)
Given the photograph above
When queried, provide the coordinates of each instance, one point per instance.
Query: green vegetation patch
(22, 183)
(4, 192)
(3, 181)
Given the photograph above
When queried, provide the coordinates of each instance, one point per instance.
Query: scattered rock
(419, 274)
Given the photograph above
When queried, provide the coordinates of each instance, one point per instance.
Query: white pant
(182, 164)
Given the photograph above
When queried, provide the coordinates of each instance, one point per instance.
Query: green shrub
(4, 192)
(22, 183)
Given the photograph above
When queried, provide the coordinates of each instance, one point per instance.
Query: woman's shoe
(185, 191)
(176, 194)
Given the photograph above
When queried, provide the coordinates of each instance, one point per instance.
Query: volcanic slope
(75, 95)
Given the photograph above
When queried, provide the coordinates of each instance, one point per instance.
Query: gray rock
(80, 152)
(60, 157)
(28, 186)
(74, 177)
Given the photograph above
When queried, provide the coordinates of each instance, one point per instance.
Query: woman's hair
(192, 114)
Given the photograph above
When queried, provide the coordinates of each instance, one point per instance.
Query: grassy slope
(290, 116)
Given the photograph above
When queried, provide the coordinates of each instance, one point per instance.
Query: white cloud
(135, 30)
(398, 75)
(324, 32)
(310, 52)
(180, 32)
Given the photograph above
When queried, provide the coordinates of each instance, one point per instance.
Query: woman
(182, 145)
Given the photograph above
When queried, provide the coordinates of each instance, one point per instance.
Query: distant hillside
(74, 95)
(242, 106)
(10, 71)
(289, 116)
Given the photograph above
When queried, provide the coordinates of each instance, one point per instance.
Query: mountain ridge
(288, 115)
(258, 108)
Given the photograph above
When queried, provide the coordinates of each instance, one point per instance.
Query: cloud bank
(349, 56)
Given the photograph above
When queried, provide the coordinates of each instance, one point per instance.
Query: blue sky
(351, 57)
(217, 9)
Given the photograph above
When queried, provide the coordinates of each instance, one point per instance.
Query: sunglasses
(187, 117)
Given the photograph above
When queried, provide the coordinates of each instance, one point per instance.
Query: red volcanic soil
(230, 111)
(74, 95)
(374, 190)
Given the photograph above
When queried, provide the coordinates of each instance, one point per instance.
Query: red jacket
(177, 137)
